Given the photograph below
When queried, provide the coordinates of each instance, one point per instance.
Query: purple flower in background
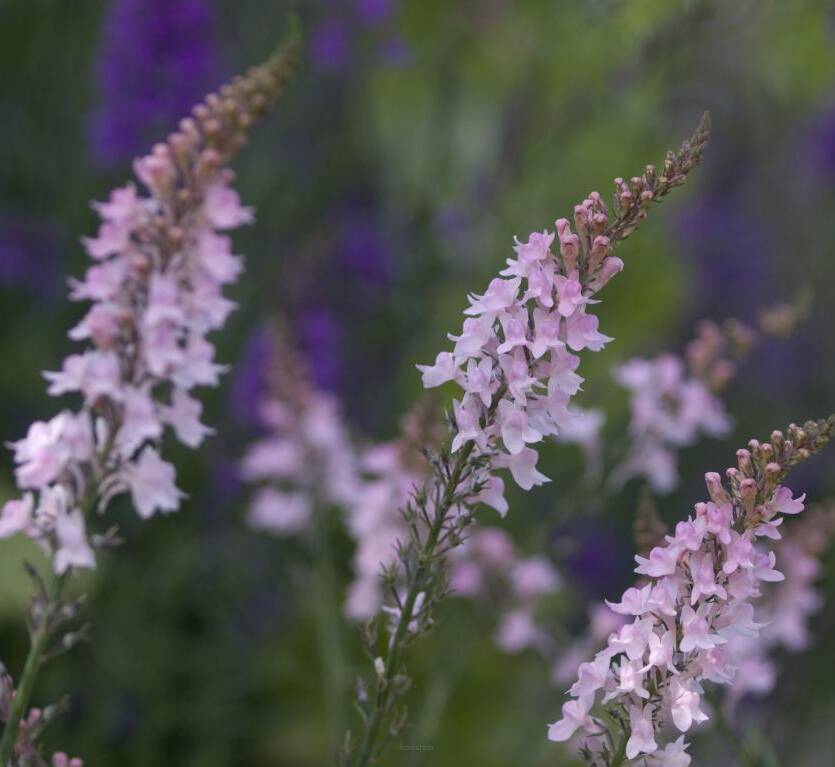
(30, 257)
(156, 59)
(732, 256)
(330, 44)
(249, 383)
(321, 339)
(374, 11)
(361, 248)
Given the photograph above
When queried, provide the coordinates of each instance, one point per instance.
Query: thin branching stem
(391, 659)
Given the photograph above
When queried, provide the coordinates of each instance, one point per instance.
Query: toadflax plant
(699, 594)
(161, 261)
(515, 364)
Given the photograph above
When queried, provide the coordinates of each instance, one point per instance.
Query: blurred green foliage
(503, 115)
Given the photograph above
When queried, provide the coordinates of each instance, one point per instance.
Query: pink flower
(642, 739)
(696, 629)
(571, 294)
(684, 705)
(662, 561)
(515, 430)
(280, 513)
(73, 549)
(522, 466)
(575, 716)
(16, 516)
(783, 503)
(223, 208)
(672, 755)
(183, 415)
(581, 332)
(151, 484)
(499, 296)
(444, 369)
(533, 577)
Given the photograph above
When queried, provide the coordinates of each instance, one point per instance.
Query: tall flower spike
(699, 592)
(161, 262)
(674, 400)
(306, 460)
(513, 358)
(513, 361)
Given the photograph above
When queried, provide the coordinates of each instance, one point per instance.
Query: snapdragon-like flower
(697, 596)
(161, 260)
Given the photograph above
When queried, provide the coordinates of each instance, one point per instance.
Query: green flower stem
(23, 693)
(329, 629)
(391, 659)
(620, 754)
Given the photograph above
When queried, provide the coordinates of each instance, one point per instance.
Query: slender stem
(620, 754)
(23, 693)
(395, 648)
(329, 628)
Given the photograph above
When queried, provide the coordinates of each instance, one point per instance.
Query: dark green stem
(395, 648)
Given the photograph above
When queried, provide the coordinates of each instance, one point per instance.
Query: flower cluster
(307, 458)
(513, 358)
(673, 400)
(699, 592)
(786, 607)
(161, 261)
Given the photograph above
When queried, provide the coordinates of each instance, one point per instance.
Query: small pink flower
(151, 484)
(73, 548)
(445, 369)
(223, 208)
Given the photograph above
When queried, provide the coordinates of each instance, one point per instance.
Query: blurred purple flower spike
(156, 60)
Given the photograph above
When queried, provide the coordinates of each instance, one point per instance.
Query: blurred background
(417, 139)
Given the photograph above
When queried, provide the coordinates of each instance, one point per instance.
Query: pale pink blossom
(151, 484)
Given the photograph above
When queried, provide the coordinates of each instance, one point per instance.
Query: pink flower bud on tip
(748, 494)
(60, 759)
(716, 489)
(743, 458)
